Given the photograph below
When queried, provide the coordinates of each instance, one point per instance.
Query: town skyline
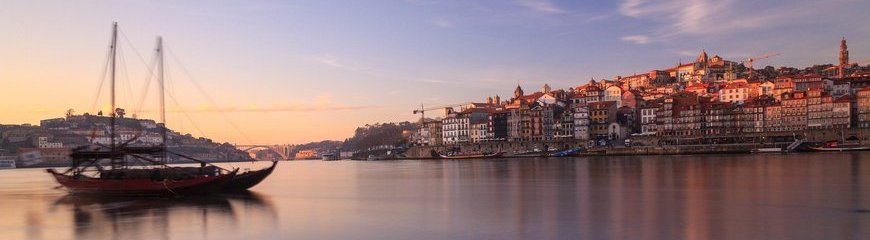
(340, 90)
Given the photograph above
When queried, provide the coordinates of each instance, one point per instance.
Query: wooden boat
(108, 185)
(7, 164)
(767, 150)
(246, 180)
(834, 146)
(567, 152)
(120, 169)
(472, 156)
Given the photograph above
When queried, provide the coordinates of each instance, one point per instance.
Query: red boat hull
(141, 186)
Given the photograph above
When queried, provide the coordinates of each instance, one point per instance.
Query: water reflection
(808, 196)
(779, 196)
(102, 217)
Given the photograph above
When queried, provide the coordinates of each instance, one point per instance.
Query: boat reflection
(117, 217)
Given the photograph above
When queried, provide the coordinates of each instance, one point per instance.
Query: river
(775, 196)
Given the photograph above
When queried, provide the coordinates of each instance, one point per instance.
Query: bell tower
(844, 52)
(518, 92)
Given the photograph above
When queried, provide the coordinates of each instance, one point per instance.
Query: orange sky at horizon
(291, 72)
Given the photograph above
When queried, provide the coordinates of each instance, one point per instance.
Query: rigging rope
(150, 67)
(206, 95)
(167, 187)
(102, 79)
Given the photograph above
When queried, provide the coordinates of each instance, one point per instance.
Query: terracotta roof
(736, 85)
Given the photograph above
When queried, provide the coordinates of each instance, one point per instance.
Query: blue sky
(297, 71)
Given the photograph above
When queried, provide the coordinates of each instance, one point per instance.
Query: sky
(290, 72)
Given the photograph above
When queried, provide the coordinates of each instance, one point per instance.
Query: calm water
(795, 196)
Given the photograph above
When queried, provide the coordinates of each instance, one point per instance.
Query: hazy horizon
(296, 72)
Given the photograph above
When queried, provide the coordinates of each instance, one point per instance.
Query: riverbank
(58, 165)
(522, 149)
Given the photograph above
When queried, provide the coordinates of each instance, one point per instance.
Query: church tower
(702, 58)
(518, 92)
(844, 52)
(844, 56)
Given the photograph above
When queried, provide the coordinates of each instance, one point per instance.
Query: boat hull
(473, 156)
(767, 150)
(246, 180)
(143, 186)
(839, 149)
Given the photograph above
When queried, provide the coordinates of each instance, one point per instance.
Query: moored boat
(7, 164)
(471, 156)
(567, 152)
(834, 146)
(767, 150)
(840, 149)
(122, 169)
(129, 183)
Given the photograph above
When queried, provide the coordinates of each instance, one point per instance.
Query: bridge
(278, 149)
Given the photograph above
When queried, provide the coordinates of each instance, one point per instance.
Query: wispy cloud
(279, 109)
(442, 23)
(675, 18)
(545, 6)
(333, 61)
(638, 39)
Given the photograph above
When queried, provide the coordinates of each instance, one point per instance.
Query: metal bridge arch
(274, 148)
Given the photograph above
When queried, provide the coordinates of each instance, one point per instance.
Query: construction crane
(752, 59)
(422, 110)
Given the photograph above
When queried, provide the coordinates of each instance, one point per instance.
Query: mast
(113, 48)
(162, 96)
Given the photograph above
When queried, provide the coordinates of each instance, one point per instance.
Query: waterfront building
(455, 129)
(631, 98)
(648, 118)
(773, 118)
(782, 85)
(52, 156)
(563, 128)
(699, 88)
(541, 123)
(601, 114)
(841, 114)
(863, 107)
(808, 81)
(857, 82)
(687, 116)
(581, 121)
(664, 118)
(736, 92)
(718, 118)
(436, 137)
(497, 125)
(794, 111)
(750, 116)
(478, 131)
(819, 109)
(592, 92)
(839, 88)
(613, 93)
(626, 123)
(766, 88)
